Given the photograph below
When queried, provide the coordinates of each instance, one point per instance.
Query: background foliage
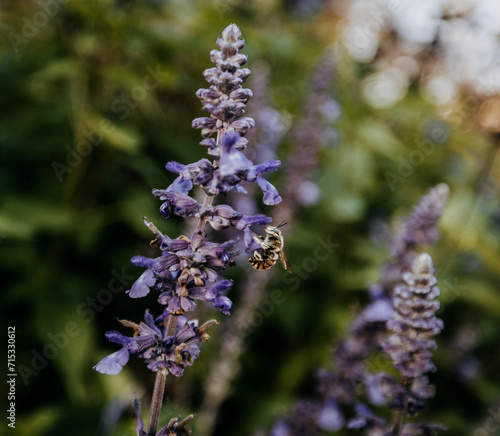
(67, 231)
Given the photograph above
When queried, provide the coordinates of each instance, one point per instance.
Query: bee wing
(285, 262)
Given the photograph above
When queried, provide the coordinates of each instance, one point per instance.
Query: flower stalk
(397, 424)
(187, 269)
(157, 401)
(400, 321)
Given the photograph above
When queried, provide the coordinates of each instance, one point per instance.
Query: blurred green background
(71, 217)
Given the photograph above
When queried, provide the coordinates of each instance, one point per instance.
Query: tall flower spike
(399, 309)
(413, 327)
(225, 100)
(310, 135)
(417, 230)
(187, 270)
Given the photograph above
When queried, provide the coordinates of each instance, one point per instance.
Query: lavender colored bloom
(366, 420)
(225, 100)
(369, 327)
(310, 134)
(182, 271)
(219, 217)
(271, 196)
(420, 228)
(158, 349)
(302, 421)
(187, 269)
(141, 286)
(232, 161)
(232, 168)
(414, 325)
(416, 231)
(114, 363)
(221, 302)
(408, 312)
(181, 299)
(330, 417)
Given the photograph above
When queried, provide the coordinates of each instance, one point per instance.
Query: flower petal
(215, 290)
(181, 185)
(265, 167)
(224, 304)
(139, 425)
(141, 286)
(174, 304)
(113, 363)
(250, 242)
(176, 369)
(232, 161)
(118, 338)
(250, 220)
(330, 417)
(142, 261)
(187, 304)
(271, 195)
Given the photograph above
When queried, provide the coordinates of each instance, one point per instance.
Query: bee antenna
(283, 223)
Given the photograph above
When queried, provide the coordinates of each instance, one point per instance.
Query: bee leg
(257, 256)
(259, 240)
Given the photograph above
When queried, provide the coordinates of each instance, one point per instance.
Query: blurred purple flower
(416, 231)
(413, 326)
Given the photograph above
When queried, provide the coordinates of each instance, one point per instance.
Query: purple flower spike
(271, 195)
(413, 326)
(186, 271)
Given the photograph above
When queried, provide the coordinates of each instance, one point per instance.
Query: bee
(271, 249)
